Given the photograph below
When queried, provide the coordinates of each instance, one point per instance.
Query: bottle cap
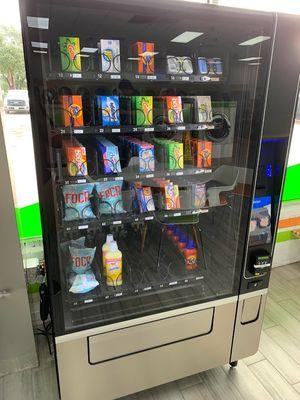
(113, 246)
(109, 238)
(190, 245)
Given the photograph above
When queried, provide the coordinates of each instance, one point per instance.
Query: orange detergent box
(76, 158)
(202, 150)
(174, 109)
(72, 110)
(144, 51)
(171, 197)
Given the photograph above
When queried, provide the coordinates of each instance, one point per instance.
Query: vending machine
(161, 131)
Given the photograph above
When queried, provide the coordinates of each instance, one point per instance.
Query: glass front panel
(147, 124)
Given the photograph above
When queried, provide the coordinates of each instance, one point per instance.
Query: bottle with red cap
(175, 236)
(182, 242)
(190, 255)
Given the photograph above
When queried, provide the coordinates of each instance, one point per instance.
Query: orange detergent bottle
(181, 244)
(190, 256)
(175, 236)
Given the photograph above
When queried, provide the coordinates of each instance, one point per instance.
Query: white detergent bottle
(105, 248)
(113, 265)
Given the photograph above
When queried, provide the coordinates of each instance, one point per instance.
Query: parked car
(16, 101)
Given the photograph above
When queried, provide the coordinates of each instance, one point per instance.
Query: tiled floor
(272, 373)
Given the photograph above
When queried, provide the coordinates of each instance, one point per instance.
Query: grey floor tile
(45, 383)
(273, 381)
(189, 381)
(292, 307)
(268, 322)
(18, 386)
(253, 359)
(297, 387)
(280, 359)
(198, 392)
(286, 341)
(246, 382)
(144, 395)
(219, 385)
(170, 391)
(1, 389)
(281, 317)
(288, 272)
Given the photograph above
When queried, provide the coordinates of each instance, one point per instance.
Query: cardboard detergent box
(174, 109)
(110, 55)
(142, 110)
(144, 51)
(109, 154)
(70, 54)
(203, 112)
(107, 110)
(202, 150)
(76, 157)
(71, 110)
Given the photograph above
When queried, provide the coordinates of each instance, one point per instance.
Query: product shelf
(130, 129)
(135, 284)
(127, 217)
(133, 77)
(130, 174)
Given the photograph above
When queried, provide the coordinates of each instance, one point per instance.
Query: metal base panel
(249, 320)
(110, 364)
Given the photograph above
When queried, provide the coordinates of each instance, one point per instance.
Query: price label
(115, 77)
(215, 79)
(199, 278)
(119, 178)
(100, 76)
(149, 175)
(179, 173)
(185, 78)
(150, 129)
(62, 131)
(116, 130)
(151, 77)
(147, 288)
(177, 214)
(88, 301)
(101, 130)
(199, 171)
(173, 283)
(103, 224)
(83, 226)
(134, 129)
(117, 222)
(81, 180)
(77, 76)
(105, 179)
(148, 218)
(78, 130)
(119, 294)
(181, 128)
(137, 76)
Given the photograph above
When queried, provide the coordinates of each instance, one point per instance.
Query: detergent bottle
(113, 265)
(190, 256)
(182, 242)
(105, 248)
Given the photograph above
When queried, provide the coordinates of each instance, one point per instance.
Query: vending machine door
(147, 122)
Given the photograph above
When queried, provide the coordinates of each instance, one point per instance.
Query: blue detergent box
(107, 110)
(110, 156)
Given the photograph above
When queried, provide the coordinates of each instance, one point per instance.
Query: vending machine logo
(71, 48)
(75, 111)
(108, 55)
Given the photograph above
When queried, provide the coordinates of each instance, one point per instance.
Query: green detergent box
(143, 110)
(70, 54)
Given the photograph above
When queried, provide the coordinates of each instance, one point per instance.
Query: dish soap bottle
(105, 248)
(190, 256)
(113, 265)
